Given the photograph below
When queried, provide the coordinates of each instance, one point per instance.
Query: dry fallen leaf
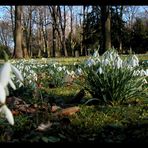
(44, 127)
(68, 111)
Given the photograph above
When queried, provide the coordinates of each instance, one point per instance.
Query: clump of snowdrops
(35, 72)
(7, 72)
(114, 81)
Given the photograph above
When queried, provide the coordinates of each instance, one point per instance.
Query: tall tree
(71, 29)
(12, 22)
(53, 12)
(18, 33)
(106, 27)
(62, 22)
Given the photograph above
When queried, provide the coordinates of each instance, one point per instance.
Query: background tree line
(55, 31)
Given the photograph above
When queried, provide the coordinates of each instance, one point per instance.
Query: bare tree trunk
(71, 29)
(53, 12)
(44, 30)
(29, 32)
(18, 33)
(12, 22)
(24, 45)
(39, 41)
(106, 28)
(120, 32)
(53, 41)
(63, 27)
(83, 50)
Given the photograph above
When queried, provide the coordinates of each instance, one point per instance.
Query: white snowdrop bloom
(59, 69)
(74, 63)
(5, 74)
(78, 71)
(30, 81)
(55, 65)
(100, 70)
(8, 115)
(72, 73)
(105, 62)
(110, 57)
(2, 94)
(90, 62)
(146, 72)
(96, 54)
(20, 84)
(142, 73)
(134, 61)
(17, 73)
(51, 72)
(67, 72)
(144, 81)
(118, 62)
(35, 76)
(12, 84)
(97, 60)
(64, 68)
(6, 91)
(136, 73)
(44, 59)
(26, 68)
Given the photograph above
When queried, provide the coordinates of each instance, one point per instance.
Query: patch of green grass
(65, 94)
(141, 57)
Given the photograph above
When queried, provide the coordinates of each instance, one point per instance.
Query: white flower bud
(6, 111)
(17, 73)
(5, 74)
(12, 84)
(2, 94)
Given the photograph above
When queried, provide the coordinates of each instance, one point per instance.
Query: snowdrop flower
(12, 84)
(133, 61)
(78, 71)
(64, 68)
(136, 73)
(59, 69)
(105, 62)
(5, 74)
(146, 71)
(54, 65)
(97, 60)
(142, 73)
(8, 115)
(67, 72)
(5, 78)
(100, 70)
(51, 72)
(72, 73)
(90, 62)
(96, 54)
(144, 81)
(2, 94)
(118, 62)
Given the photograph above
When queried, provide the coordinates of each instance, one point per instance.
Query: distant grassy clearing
(72, 60)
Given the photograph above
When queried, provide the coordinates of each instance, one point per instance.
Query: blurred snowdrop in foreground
(7, 113)
(6, 76)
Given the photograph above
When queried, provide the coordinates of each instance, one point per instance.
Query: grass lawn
(71, 60)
